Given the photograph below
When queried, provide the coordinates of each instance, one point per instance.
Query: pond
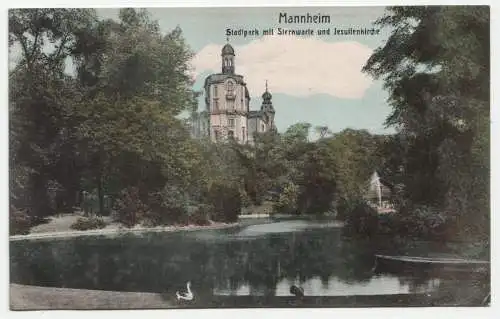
(253, 260)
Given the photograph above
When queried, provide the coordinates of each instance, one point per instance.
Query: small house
(379, 194)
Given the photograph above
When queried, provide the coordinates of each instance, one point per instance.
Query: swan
(185, 296)
(297, 291)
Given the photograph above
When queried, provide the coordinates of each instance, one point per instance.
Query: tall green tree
(355, 161)
(435, 66)
(45, 176)
(132, 103)
(111, 123)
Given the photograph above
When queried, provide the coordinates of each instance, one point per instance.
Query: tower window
(216, 104)
(231, 122)
(215, 91)
(243, 134)
(230, 104)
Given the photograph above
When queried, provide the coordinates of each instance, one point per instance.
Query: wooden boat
(384, 263)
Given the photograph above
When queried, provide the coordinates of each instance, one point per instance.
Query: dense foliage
(95, 109)
(436, 67)
(363, 220)
(86, 223)
(19, 222)
(106, 126)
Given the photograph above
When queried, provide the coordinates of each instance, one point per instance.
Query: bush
(19, 222)
(226, 202)
(169, 206)
(129, 208)
(345, 206)
(422, 221)
(86, 223)
(246, 201)
(200, 215)
(362, 221)
(287, 201)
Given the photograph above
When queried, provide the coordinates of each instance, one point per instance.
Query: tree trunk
(100, 190)
(100, 194)
(40, 203)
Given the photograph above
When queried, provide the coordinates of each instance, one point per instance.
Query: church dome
(266, 96)
(227, 50)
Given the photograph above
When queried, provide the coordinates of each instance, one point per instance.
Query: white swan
(185, 296)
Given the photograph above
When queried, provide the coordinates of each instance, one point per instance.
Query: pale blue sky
(206, 26)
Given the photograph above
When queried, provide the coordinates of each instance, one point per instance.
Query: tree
(356, 158)
(318, 185)
(436, 67)
(108, 125)
(287, 202)
(40, 94)
(132, 103)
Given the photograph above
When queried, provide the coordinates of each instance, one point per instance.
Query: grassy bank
(48, 298)
(118, 231)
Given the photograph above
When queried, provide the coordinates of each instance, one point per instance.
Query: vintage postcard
(263, 157)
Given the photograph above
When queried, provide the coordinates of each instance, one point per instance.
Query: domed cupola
(266, 100)
(227, 59)
(267, 109)
(267, 96)
(227, 50)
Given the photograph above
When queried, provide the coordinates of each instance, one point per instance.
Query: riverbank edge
(25, 297)
(29, 298)
(121, 231)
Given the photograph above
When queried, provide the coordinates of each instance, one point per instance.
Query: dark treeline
(436, 68)
(111, 130)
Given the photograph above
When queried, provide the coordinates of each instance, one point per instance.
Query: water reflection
(387, 285)
(256, 260)
(282, 227)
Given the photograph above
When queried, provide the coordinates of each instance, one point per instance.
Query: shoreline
(120, 231)
(36, 298)
(30, 298)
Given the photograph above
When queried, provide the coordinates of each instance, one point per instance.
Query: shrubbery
(172, 206)
(19, 222)
(287, 201)
(168, 206)
(419, 221)
(346, 206)
(200, 215)
(362, 221)
(86, 223)
(226, 202)
(246, 201)
(129, 209)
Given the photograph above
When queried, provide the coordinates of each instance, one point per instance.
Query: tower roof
(227, 50)
(266, 96)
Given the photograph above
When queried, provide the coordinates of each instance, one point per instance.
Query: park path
(60, 227)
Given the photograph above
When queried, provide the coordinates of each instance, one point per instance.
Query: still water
(256, 260)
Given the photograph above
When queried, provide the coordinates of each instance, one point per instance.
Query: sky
(315, 79)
